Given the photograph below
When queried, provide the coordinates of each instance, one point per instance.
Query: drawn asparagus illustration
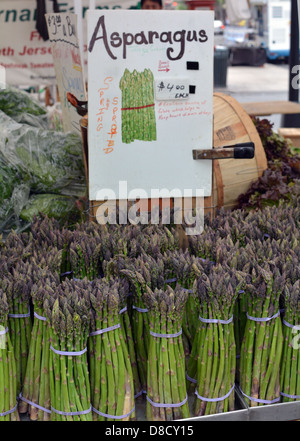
(138, 112)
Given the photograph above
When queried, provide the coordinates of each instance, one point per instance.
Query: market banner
(24, 54)
(68, 67)
(150, 102)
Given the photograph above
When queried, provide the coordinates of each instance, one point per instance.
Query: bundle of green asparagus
(126, 328)
(263, 341)
(289, 374)
(47, 233)
(212, 364)
(35, 397)
(131, 240)
(85, 256)
(166, 387)
(156, 239)
(17, 247)
(113, 271)
(18, 288)
(8, 368)
(138, 114)
(68, 316)
(183, 267)
(111, 378)
(142, 272)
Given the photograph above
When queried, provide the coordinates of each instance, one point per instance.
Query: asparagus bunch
(68, 316)
(113, 271)
(131, 240)
(185, 267)
(290, 362)
(47, 232)
(263, 341)
(240, 259)
(156, 239)
(86, 256)
(52, 259)
(112, 385)
(126, 329)
(166, 386)
(16, 248)
(213, 358)
(18, 288)
(35, 398)
(142, 272)
(8, 368)
(242, 227)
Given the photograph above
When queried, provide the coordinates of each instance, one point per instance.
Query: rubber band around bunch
(214, 400)
(102, 331)
(263, 319)
(293, 397)
(155, 334)
(295, 327)
(79, 412)
(174, 279)
(138, 309)
(27, 314)
(192, 380)
(34, 404)
(221, 322)
(39, 317)
(115, 417)
(3, 414)
(68, 353)
(164, 405)
(259, 400)
(123, 310)
(141, 392)
(67, 273)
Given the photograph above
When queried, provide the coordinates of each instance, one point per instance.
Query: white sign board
(24, 55)
(136, 137)
(62, 29)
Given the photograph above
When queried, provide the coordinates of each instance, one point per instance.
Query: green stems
(112, 384)
(166, 359)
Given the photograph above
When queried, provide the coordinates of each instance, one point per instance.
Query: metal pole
(294, 119)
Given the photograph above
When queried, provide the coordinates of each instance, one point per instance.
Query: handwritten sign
(171, 89)
(150, 101)
(67, 64)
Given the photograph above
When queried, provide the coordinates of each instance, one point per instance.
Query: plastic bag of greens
(39, 121)
(15, 101)
(53, 161)
(24, 108)
(11, 207)
(9, 178)
(62, 208)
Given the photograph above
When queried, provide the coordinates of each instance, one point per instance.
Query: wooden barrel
(232, 177)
